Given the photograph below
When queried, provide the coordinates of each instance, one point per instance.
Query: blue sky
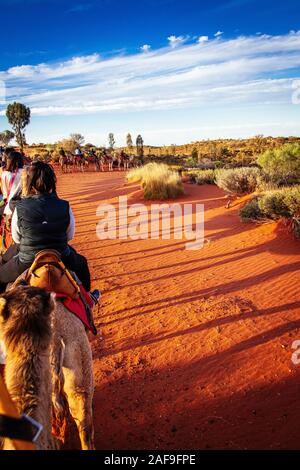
(174, 71)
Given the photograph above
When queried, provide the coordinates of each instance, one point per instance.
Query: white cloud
(219, 34)
(245, 71)
(175, 41)
(145, 48)
(203, 39)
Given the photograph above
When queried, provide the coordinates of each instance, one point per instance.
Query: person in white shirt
(11, 179)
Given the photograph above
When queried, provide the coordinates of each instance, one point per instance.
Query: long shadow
(251, 342)
(186, 407)
(216, 291)
(143, 250)
(248, 252)
(222, 288)
(212, 323)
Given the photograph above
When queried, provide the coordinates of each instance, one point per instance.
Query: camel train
(80, 162)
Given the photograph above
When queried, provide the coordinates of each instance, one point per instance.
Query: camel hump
(48, 272)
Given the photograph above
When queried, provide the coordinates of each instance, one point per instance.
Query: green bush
(282, 165)
(292, 200)
(265, 184)
(274, 205)
(251, 211)
(238, 180)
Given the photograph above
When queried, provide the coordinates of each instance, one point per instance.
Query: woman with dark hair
(11, 178)
(41, 221)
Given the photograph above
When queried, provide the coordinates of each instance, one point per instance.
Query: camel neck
(28, 379)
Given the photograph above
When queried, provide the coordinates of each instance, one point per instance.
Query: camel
(66, 163)
(48, 362)
(119, 160)
(126, 162)
(110, 160)
(102, 163)
(81, 163)
(94, 160)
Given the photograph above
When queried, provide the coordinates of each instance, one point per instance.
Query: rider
(11, 178)
(43, 221)
(78, 152)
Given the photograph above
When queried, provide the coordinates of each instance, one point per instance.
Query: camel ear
(2, 305)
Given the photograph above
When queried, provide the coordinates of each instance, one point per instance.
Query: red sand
(194, 347)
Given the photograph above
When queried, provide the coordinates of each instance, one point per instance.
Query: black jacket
(43, 221)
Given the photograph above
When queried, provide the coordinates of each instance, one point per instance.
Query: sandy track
(195, 347)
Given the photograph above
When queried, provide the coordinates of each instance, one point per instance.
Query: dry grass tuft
(158, 181)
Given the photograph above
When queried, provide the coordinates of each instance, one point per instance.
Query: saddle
(49, 272)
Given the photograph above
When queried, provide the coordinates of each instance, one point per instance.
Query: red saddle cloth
(77, 306)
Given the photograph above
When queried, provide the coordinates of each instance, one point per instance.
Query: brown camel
(25, 329)
(48, 358)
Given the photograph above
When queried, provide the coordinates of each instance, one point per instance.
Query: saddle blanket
(77, 306)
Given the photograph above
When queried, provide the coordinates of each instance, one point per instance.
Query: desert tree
(140, 146)
(77, 138)
(111, 140)
(68, 145)
(129, 142)
(18, 116)
(6, 137)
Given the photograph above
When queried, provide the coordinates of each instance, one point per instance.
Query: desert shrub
(218, 164)
(238, 180)
(273, 205)
(190, 162)
(264, 184)
(157, 181)
(292, 200)
(205, 177)
(251, 211)
(282, 165)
